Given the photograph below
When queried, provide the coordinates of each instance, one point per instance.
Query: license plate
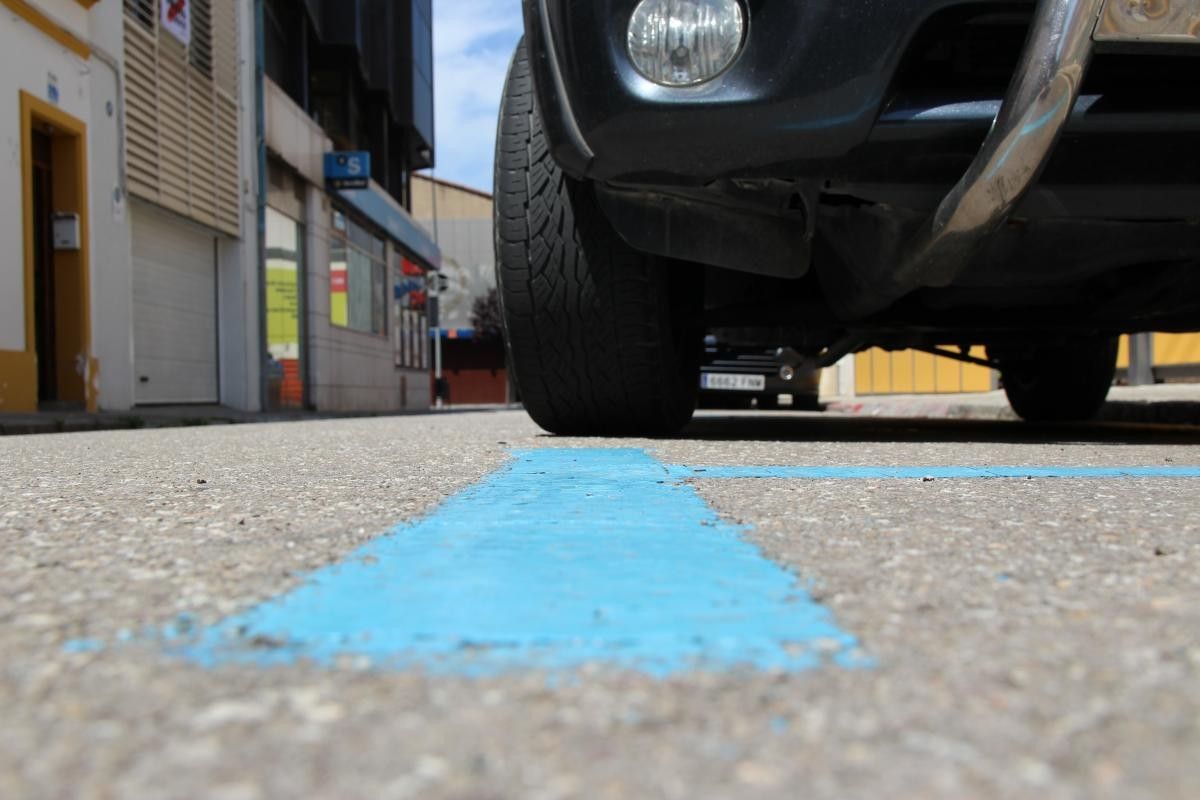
(733, 383)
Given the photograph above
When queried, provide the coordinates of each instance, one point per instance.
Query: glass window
(411, 332)
(357, 277)
(285, 304)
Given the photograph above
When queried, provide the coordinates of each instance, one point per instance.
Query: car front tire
(602, 339)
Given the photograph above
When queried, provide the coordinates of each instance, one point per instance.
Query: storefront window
(357, 277)
(411, 325)
(285, 376)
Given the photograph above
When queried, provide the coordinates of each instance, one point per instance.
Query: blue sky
(473, 41)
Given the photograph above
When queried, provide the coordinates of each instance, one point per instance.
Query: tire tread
(587, 318)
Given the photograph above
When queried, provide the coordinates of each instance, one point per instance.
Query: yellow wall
(1176, 348)
(910, 372)
(1170, 349)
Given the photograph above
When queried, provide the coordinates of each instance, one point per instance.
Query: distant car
(766, 378)
(927, 174)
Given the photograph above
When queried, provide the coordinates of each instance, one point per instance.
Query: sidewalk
(183, 417)
(1170, 404)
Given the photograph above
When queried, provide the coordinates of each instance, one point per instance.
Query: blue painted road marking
(567, 557)
(890, 473)
(563, 558)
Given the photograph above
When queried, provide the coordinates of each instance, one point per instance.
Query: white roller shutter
(174, 310)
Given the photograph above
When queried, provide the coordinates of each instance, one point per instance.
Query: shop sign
(410, 288)
(348, 170)
(337, 281)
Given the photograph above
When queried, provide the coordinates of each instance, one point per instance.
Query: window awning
(382, 209)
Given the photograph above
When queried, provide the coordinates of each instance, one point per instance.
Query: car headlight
(685, 42)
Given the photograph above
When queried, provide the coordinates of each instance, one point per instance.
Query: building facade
(345, 268)
(59, 125)
(189, 151)
(166, 256)
(126, 194)
(460, 217)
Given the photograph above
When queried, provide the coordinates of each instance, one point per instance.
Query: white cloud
(473, 41)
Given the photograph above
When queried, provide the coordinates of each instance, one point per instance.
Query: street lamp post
(435, 292)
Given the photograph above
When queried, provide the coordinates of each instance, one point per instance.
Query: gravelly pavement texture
(1031, 638)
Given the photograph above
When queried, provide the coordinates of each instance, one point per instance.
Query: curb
(30, 425)
(1145, 412)
(911, 409)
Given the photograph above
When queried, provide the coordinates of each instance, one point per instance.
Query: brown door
(54, 366)
(45, 324)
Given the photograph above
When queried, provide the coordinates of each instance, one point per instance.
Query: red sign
(177, 20)
(337, 281)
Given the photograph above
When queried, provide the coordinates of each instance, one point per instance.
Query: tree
(485, 316)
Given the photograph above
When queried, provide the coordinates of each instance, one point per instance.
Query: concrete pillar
(1141, 359)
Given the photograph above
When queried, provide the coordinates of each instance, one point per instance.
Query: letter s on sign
(354, 167)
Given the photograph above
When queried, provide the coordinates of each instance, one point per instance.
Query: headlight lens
(685, 42)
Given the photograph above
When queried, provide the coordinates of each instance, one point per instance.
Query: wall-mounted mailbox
(66, 231)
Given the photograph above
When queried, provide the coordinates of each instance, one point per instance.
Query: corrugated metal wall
(174, 309)
(910, 372)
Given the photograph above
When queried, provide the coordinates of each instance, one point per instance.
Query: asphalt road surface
(222, 612)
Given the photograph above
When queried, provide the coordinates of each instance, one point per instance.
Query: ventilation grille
(142, 12)
(200, 52)
(183, 122)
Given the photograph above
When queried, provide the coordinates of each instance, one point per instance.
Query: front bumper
(809, 88)
(1036, 109)
(813, 77)
(814, 72)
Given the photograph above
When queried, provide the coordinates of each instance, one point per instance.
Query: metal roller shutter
(174, 310)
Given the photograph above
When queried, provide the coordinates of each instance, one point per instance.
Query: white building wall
(469, 263)
(238, 297)
(87, 90)
(32, 60)
(112, 259)
(73, 16)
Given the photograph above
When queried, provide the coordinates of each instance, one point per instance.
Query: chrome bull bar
(1036, 108)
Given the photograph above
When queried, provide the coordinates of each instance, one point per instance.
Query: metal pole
(436, 294)
(1141, 359)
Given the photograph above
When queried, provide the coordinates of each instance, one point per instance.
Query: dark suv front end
(894, 173)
